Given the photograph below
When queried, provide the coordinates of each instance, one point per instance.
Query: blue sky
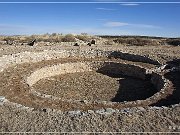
(110, 19)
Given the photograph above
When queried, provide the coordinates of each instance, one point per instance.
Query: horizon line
(120, 35)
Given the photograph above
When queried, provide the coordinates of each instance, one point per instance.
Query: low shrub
(175, 42)
(109, 42)
(136, 41)
(68, 38)
(83, 38)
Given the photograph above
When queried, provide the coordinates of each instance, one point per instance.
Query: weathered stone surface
(74, 113)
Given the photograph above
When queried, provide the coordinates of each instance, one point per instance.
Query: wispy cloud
(120, 24)
(106, 9)
(115, 24)
(145, 26)
(130, 4)
(101, 19)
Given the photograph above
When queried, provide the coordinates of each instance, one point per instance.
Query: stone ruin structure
(113, 63)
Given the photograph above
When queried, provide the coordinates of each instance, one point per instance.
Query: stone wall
(157, 80)
(131, 70)
(123, 69)
(133, 57)
(100, 66)
(19, 58)
(57, 70)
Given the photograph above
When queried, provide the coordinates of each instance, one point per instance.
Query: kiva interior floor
(93, 86)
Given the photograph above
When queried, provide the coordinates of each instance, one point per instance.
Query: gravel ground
(138, 119)
(162, 53)
(133, 120)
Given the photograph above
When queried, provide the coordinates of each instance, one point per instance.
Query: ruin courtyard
(85, 86)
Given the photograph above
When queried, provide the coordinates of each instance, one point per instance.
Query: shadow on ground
(132, 57)
(130, 88)
(174, 77)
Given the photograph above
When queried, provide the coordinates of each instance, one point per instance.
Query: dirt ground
(94, 86)
(87, 86)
